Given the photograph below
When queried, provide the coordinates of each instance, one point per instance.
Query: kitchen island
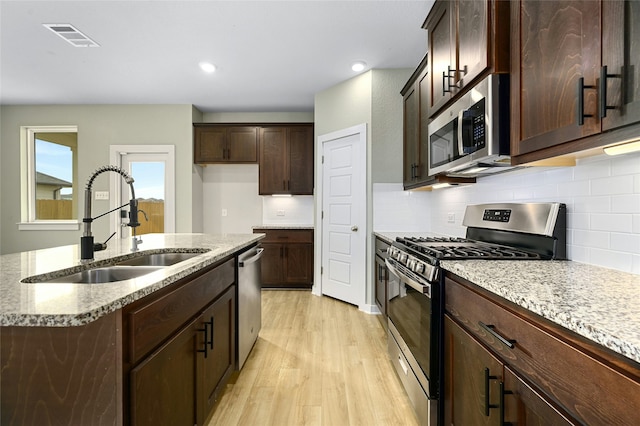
(156, 349)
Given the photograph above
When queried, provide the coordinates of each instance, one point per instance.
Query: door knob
(354, 228)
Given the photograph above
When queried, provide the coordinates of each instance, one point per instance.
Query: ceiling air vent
(71, 35)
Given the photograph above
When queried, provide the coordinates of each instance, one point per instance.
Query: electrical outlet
(224, 212)
(451, 218)
(102, 195)
(280, 213)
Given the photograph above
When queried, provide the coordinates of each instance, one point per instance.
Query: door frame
(361, 149)
(115, 156)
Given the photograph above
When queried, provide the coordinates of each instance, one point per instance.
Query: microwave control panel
(496, 215)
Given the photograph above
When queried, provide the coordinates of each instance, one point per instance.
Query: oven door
(414, 314)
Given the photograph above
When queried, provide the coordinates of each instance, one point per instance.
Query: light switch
(224, 212)
(102, 195)
(280, 213)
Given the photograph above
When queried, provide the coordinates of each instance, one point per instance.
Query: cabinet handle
(206, 335)
(487, 378)
(581, 87)
(502, 394)
(604, 75)
(210, 323)
(446, 88)
(490, 328)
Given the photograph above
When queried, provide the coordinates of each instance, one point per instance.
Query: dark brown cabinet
(415, 95)
(286, 160)
(215, 143)
(574, 76)
(544, 373)
(287, 260)
(381, 276)
(466, 39)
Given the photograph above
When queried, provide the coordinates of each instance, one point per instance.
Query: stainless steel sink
(107, 274)
(158, 259)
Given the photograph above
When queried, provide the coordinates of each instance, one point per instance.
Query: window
(49, 178)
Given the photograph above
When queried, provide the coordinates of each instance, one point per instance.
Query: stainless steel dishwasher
(249, 301)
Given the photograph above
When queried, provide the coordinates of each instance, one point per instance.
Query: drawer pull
(488, 406)
(206, 336)
(489, 328)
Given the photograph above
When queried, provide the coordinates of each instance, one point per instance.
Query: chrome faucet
(87, 246)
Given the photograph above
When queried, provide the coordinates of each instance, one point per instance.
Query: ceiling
(270, 55)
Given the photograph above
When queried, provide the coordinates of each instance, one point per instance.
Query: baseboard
(370, 309)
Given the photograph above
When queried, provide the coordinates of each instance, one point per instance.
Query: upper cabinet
(415, 95)
(575, 76)
(466, 38)
(214, 143)
(286, 159)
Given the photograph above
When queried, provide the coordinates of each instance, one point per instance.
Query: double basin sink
(129, 268)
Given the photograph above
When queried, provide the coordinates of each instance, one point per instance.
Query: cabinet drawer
(592, 391)
(150, 323)
(286, 235)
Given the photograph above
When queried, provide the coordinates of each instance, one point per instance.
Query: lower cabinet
(381, 276)
(180, 349)
(480, 390)
(287, 260)
(505, 365)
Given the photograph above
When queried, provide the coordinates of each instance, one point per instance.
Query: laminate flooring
(317, 361)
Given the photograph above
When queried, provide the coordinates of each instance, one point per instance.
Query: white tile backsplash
(602, 195)
(295, 210)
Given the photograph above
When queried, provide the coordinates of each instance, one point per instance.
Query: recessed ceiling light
(71, 35)
(207, 67)
(358, 66)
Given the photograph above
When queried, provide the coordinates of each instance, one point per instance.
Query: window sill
(50, 225)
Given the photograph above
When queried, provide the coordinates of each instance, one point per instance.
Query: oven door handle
(419, 287)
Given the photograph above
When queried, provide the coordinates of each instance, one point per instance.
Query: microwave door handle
(461, 133)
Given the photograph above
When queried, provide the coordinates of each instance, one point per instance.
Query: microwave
(471, 137)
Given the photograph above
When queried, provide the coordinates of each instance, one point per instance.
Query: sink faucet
(87, 247)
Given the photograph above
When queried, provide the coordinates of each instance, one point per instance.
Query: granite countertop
(64, 304)
(282, 226)
(600, 304)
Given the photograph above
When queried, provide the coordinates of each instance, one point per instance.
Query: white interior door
(344, 215)
(152, 169)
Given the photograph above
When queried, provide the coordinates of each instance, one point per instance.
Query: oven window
(443, 144)
(410, 312)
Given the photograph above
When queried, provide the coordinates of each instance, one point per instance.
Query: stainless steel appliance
(471, 137)
(506, 231)
(249, 301)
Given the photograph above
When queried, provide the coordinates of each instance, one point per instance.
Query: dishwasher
(249, 301)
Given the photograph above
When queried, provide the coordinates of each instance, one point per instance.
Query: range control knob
(411, 263)
(419, 268)
(402, 257)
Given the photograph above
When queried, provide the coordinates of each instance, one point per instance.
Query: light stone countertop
(64, 304)
(283, 226)
(600, 304)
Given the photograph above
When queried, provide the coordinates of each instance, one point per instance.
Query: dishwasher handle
(252, 259)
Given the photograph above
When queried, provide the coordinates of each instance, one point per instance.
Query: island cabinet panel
(181, 349)
(61, 375)
(222, 143)
(574, 76)
(580, 378)
(287, 260)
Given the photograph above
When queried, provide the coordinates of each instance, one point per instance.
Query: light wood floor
(317, 361)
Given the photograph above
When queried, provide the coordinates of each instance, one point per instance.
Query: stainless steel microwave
(471, 137)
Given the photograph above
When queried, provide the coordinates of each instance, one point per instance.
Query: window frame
(28, 221)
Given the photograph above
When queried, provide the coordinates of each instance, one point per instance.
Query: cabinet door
(381, 285)
(472, 27)
(273, 161)
(242, 144)
(217, 363)
(298, 261)
(411, 134)
(469, 372)
(423, 129)
(300, 141)
(620, 47)
(440, 47)
(525, 406)
(557, 44)
(163, 386)
(211, 144)
(271, 267)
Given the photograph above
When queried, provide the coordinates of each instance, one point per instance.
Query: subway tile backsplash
(602, 195)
